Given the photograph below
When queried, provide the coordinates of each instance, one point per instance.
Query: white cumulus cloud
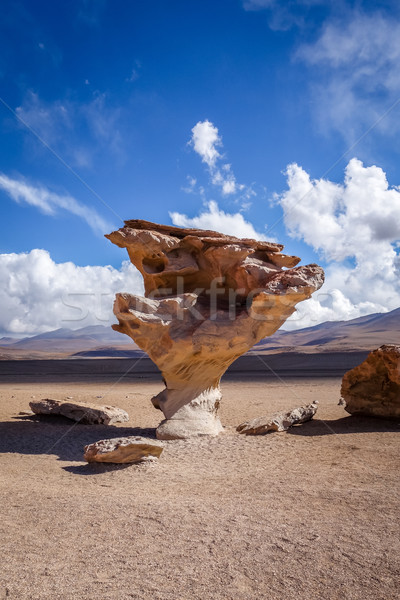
(355, 227)
(38, 294)
(205, 140)
(216, 219)
(49, 202)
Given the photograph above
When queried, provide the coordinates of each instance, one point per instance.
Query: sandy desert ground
(308, 514)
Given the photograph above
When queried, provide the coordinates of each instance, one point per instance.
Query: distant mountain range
(364, 333)
(63, 343)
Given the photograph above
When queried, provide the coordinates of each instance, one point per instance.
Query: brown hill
(364, 333)
(64, 343)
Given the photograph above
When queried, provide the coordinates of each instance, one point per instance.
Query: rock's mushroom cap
(177, 260)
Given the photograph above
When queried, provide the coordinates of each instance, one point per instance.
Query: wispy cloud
(90, 12)
(258, 4)
(207, 143)
(190, 186)
(355, 69)
(284, 15)
(353, 61)
(64, 124)
(49, 202)
(135, 73)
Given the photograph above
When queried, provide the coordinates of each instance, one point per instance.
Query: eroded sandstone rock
(209, 298)
(123, 450)
(89, 414)
(279, 421)
(373, 388)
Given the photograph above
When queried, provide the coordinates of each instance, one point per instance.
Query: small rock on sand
(280, 421)
(123, 450)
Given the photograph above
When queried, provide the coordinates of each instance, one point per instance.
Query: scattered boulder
(373, 388)
(123, 450)
(279, 421)
(89, 414)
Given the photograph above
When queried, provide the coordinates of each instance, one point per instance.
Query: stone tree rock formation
(209, 298)
(373, 388)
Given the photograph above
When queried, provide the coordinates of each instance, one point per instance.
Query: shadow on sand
(62, 437)
(349, 424)
(96, 468)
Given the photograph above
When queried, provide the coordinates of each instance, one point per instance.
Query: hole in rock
(153, 264)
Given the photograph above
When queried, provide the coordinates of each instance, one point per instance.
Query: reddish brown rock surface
(209, 298)
(373, 388)
(163, 254)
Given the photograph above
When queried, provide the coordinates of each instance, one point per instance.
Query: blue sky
(99, 103)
